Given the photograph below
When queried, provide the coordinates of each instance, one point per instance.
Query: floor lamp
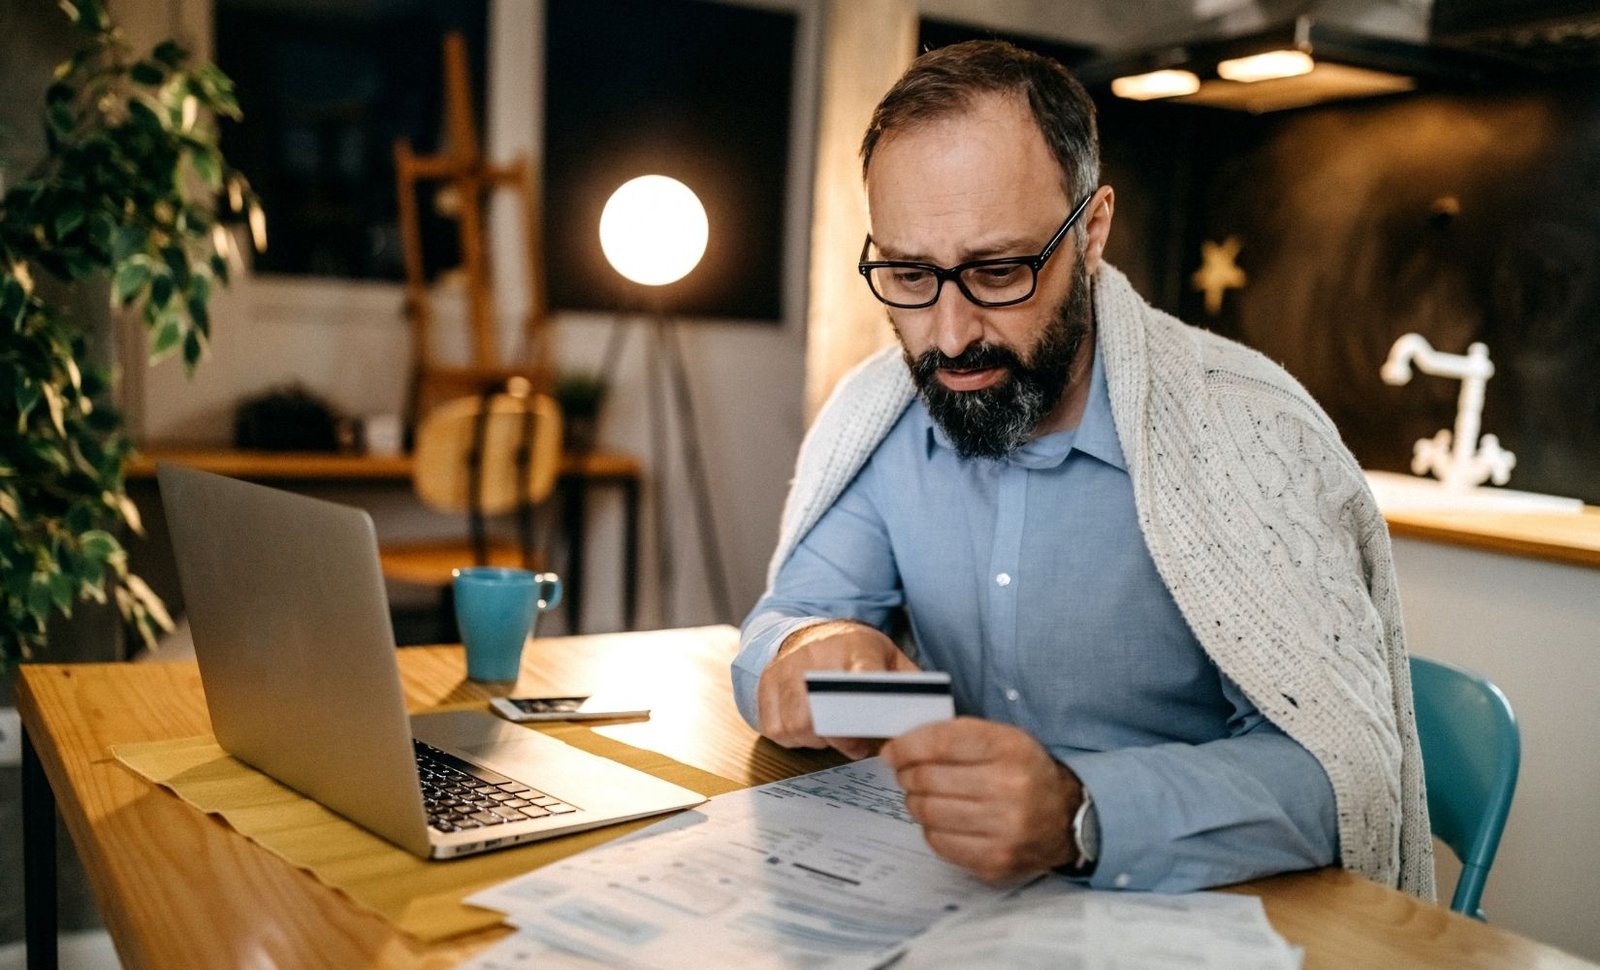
(653, 231)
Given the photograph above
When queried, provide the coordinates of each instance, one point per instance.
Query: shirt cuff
(763, 635)
(1177, 820)
(1117, 786)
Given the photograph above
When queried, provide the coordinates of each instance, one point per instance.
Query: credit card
(876, 705)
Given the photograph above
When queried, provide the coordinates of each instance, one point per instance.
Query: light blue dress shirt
(1028, 580)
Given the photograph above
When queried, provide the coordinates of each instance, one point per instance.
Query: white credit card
(876, 705)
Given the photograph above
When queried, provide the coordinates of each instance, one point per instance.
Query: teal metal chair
(1471, 750)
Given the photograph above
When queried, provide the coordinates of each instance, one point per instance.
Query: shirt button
(1011, 694)
(1122, 880)
(1004, 579)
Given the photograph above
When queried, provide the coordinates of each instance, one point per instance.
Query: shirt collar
(1095, 435)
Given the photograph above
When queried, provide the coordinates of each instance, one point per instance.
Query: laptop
(291, 629)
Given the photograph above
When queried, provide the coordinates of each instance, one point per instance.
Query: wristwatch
(1086, 836)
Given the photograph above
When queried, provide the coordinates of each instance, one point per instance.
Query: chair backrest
(442, 468)
(1471, 751)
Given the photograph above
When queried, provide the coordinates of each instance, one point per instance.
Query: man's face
(976, 185)
(993, 421)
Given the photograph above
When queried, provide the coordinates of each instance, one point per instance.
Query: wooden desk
(578, 473)
(181, 889)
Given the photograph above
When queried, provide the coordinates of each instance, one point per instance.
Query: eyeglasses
(1006, 281)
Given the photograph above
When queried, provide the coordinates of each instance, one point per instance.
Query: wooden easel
(462, 167)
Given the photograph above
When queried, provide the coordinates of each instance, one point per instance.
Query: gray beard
(999, 419)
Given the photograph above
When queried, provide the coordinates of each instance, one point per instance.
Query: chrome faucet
(1460, 461)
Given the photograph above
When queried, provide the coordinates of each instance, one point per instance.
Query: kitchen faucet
(1464, 462)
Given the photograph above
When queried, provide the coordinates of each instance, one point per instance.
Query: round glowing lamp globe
(653, 230)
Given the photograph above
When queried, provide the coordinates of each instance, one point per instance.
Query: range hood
(1547, 36)
(1299, 62)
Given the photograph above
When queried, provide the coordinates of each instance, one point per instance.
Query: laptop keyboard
(460, 795)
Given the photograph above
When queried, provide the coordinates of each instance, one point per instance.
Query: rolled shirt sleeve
(1181, 817)
(843, 569)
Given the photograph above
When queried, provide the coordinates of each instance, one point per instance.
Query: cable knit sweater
(1263, 529)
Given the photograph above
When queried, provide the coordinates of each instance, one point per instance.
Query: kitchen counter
(1570, 539)
(1498, 524)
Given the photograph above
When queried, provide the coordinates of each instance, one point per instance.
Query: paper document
(821, 870)
(1055, 923)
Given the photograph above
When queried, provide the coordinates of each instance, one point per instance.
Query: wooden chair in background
(483, 457)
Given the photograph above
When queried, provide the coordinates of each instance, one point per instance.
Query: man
(1158, 580)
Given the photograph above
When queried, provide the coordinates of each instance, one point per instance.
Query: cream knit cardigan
(1263, 529)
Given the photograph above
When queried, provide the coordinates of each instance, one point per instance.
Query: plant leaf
(60, 119)
(131, 278)
(150, 601)
(193, 348)
(199, 291)
(27, 399)
(161, 290)
(69, 217)
(130, 239)
(206, 165)
(178, 262)
(166, 338)
(58, 408)
(144, 116)
(148, 73)
(61, 592)
(98, 545)
(102, 231)
(130, 512)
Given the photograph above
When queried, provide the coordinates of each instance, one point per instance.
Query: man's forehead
(980, 173)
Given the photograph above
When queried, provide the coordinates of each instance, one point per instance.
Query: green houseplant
(580, 396)
(130, 190)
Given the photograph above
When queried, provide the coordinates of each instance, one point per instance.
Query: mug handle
(549, 591)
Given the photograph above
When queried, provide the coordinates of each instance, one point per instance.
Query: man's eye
(996, 275)
(909, 276)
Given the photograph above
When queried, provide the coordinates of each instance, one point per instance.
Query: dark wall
(326, 89)
(696, 91)
(1461, 217)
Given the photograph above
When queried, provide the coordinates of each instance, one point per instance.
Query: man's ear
(1097, 227)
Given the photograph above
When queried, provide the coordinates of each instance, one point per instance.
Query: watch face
(1086, 830)
(1089, 838)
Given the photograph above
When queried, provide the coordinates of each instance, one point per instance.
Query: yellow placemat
(419, 897)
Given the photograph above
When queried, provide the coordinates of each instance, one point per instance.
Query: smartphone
(585, 708)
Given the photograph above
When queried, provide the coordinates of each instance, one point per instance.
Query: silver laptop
(291, 629)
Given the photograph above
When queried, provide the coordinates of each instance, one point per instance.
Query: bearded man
(1157, 579)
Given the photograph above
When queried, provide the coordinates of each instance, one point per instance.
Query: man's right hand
(782, 702)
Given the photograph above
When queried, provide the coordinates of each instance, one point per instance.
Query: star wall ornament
(1219, 272)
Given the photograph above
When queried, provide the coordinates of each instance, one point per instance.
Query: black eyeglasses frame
(1035, 263)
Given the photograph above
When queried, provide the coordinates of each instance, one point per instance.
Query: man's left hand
(989, 796)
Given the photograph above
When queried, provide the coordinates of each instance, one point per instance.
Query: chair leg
(448, 631)
(1469, 892)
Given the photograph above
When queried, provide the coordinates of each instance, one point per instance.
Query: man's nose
(957, 321)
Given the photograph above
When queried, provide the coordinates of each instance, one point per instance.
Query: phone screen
(547, 705)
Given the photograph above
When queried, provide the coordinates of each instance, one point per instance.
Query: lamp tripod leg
(694, 464)
(657, 406)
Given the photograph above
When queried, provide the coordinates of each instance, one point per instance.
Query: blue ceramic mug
(497, 609)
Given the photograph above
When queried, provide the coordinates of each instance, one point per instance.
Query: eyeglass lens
(1007, 283)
